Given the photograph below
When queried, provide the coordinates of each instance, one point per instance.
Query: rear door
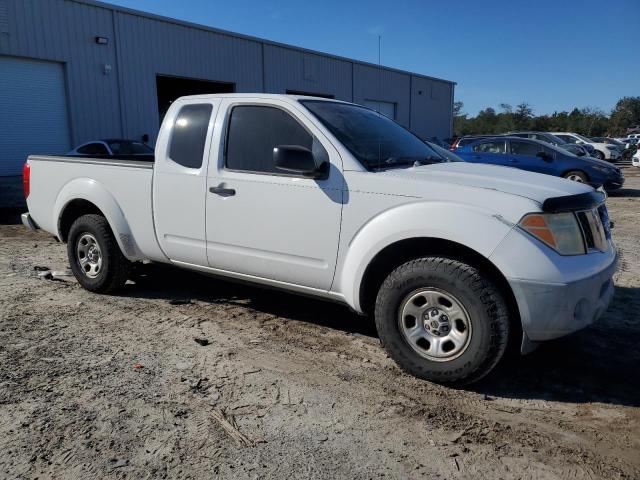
(180, 179)
(263, 222)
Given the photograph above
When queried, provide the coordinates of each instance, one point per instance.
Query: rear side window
(189, 135)
(253, 133)
(525, 148)
(490, 147)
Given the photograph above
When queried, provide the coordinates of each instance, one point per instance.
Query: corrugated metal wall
(112, 90)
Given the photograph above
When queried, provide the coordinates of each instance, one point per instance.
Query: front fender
(475, 228)
(92, 191)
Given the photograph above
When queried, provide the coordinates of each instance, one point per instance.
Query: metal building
(76, 70)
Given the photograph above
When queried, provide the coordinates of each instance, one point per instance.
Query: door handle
(222, 191)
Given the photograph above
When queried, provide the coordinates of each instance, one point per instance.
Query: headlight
(559, 231)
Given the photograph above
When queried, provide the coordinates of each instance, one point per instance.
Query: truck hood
(534, 186)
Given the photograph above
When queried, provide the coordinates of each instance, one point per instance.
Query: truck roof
(278, 96)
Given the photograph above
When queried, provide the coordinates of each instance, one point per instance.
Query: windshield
(128, 147)
(376, 141)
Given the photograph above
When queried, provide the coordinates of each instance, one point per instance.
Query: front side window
(254, 131)
(497, 146)
(189, 135)
(525, 148)
(376, 141)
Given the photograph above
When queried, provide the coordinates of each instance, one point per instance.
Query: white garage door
(33, 112)
(386, 108)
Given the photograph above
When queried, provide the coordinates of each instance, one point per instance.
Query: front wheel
(94, 255)
(576, 176)
(599, 155)
(442, 320)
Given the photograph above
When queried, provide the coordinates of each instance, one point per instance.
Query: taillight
(26, 179)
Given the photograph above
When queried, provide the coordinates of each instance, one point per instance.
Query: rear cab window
(189, 135)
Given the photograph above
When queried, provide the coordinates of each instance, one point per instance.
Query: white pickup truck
(331, 199)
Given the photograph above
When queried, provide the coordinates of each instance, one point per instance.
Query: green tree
(625, 114)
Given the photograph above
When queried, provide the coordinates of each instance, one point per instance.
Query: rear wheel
(576, 176)
(94, 255)
(599, 155)
(442, 320)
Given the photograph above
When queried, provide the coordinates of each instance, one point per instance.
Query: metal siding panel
(149, 47)
(25, 126)
(371, 83)
(290, 69)
(431, 108)
(63, 31)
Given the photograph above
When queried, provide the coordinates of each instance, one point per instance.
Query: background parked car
(540, 157)
(635, 160)
(604, 151)
(583, 150)
(627, 149)
(114, 147)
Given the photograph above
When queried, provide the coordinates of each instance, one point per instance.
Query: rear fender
(92, 191)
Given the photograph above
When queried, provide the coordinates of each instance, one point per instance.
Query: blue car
(542, 157)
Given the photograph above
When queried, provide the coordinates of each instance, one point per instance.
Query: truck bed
(121, 189)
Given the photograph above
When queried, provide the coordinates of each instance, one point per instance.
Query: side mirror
(297, 159)
(544, 156)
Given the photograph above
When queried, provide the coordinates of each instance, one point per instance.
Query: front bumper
(552, 310)
(614, 184)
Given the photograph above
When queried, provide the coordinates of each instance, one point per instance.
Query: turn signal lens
(559, 231)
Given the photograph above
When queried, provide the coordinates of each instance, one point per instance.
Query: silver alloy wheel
(435, 324)
(575, 178)
(89, 255)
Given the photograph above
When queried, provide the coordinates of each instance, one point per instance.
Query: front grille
(593, 228)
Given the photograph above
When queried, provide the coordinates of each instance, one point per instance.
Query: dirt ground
(249, 383)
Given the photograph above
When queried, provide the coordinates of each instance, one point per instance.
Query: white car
(604, 151)
(333, 200)
(635, 160)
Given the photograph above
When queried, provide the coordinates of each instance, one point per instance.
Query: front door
(180, 180)
(528, 156)
(261, 221)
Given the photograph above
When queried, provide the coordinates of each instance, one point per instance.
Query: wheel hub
(435, 324)
(89, 255)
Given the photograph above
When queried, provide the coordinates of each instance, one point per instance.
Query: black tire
(480, 298)
(575, 174)
(599, 155)
(114, 269)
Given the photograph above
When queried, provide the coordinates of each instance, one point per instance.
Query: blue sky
(552, 54)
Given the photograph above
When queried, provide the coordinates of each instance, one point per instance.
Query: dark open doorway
(170, 88)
